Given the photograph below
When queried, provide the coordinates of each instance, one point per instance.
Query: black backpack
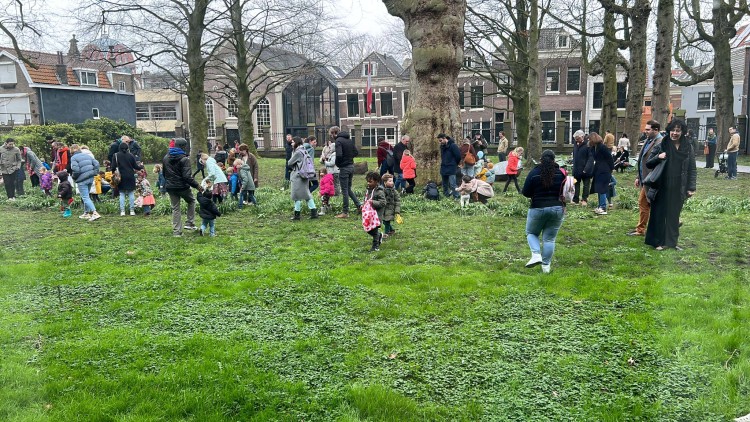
(432, 192)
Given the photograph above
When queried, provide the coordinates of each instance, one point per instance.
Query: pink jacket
(409, 167)
(326, 185)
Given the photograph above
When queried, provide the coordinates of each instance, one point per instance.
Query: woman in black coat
(603, 166)
(126, 164)
(675, 184)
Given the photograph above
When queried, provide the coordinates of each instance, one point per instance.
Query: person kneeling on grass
(546, 211)
(208, 210)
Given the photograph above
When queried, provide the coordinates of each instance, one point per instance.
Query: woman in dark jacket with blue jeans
(546, 211)
(603, 166)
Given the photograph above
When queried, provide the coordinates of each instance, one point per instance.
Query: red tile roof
(46, 73)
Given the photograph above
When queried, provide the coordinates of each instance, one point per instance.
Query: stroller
(722, 164)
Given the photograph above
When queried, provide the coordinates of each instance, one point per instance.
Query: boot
(313, 213)
(296, 216)
(322, 211)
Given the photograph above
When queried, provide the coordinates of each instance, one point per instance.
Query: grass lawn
(279, 320)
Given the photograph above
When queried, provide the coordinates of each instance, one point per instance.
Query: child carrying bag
(370, 219)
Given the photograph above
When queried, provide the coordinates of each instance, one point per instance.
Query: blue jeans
(345, 176)
(545, 222)
(131, 197)
(250, 195)
(602, 201)
(399, 181)
(731, 164)
(85, 189)
(210, 224)
(467, 170)
(449, 185)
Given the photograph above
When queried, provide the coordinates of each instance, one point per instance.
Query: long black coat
(126, 163)
(603, 166)
(581, 157)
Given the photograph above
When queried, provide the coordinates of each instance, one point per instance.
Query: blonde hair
(407, 152)
(157, 168)
(386, 177)
(75, 148)
(238, 162)
(518, 150)
(204, 156)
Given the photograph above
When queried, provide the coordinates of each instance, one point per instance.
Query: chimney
(73, 50)
(61, 69)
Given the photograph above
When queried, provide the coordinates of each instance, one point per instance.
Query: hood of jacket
(62, 175)
(124, 147)
(343, 134)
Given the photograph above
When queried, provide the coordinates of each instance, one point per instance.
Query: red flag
(368, 97)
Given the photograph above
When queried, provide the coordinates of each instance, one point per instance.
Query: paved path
(740, 169)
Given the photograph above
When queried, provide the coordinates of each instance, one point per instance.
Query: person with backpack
(299, 177)
(385, 156)
(546, 211)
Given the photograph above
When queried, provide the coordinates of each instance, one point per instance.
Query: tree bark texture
(662, 64)
(435, 29)
(608, 61)
(637, 73)
(242, 74)
(196, 76)
(534, 148)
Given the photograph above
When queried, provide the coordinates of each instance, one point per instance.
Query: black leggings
(512, 178)
(10, 184)
(410, 188)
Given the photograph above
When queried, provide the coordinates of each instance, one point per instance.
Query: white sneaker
(95, 216)
(600, 211)
(122, 213)
(12, 199)
(84, 216)
(535, 260)
(132, 212)
(546, 269)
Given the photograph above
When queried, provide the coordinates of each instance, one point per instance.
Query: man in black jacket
(179, 181)
(345, 153)
(133, 146)
(398, 153)
(583, 166)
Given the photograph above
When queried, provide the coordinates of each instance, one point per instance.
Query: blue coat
(85, 167)
(450, 156)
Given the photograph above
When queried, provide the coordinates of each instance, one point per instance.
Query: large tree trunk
(196, 77)
(535, 109)
(723, 85)
(608, 60)
(242, 74)
(662, 65)
(436, 32)
(637, 72)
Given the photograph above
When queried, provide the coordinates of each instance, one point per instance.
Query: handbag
(652, 179)
(705, 150)
(370, 219)
(469, 159)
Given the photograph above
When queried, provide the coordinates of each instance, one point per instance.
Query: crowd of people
(665, 175)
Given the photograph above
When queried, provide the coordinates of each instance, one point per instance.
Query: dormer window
(370, 69)
(563, 41)
(88, 77)
(468, 62)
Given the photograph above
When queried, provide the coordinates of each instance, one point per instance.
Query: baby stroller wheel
(717, 173)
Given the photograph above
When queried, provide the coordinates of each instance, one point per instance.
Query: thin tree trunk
(242, 73)
(723, 85)
(608, 61)
(637, 71)
(436, 32)
(196, 77)
(535, 121)
(662, 65)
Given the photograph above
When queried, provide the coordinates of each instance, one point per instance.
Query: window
(95, 113)
(472, 128)
(548, 127)
(210, 116)
(694, 126)
(121, 86)
(553, 79)
(562, 41)
(711, 124)
(263, 113)
(386, 104)
(468, 62)
(232, 106)
(499, 125)
(370, 135)
(369, 68)
(572, 124)
(141, 111)
(598, 95)
(647, 103)
(88, 78)
(594, 126)
(622, 94)
(461, 101)
(156, 111)
(705, 101)
(352, 105)
(406, 101)
(574, 79)
(477, 96)
(8, 73)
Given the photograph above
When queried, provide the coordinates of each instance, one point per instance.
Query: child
(374, 202)
(490, 173)
(97, 188)
(513, 168)
(234, 183)
(247, 188)
(65, 193)
(161, 181)
(147, 194)
(409, 167)
(431, 191)
(45, 182)
(208, 210)
(465, 190)
(392, 205)
(611, 192)
(327, 189)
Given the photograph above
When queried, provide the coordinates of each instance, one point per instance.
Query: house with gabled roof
(390, 87)
(63, 89)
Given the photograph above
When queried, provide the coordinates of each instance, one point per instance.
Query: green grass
(275, 320)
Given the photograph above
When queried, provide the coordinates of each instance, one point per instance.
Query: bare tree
(19, 20)
(437, 59)
(662, 61)
(351, 48)
(717, 30)
(169, 35)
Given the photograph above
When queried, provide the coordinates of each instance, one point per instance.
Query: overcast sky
(360, 16)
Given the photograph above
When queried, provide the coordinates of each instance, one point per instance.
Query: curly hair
(548, 167)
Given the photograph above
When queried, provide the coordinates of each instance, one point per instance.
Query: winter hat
(180, 143)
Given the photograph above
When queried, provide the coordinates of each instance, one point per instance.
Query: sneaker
(190, 227)
(535, 260)
(342, 215)
(95, 216)
(12, 199)
(600, 211)
(546, 269)
(84, 216)
(380, 238)
(122, 213)
(375, 248)
(635, 233)
(201, 231)
(132, 212)
(177, 235)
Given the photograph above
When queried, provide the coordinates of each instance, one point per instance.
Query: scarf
(176, 151)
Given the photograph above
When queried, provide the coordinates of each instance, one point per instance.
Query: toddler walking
(45, 181)
(392, 204)
(327, 190)
(65, 193)
(147, 194)
(208, 210)
(372, 209)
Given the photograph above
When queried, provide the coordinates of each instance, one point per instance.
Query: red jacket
(409, 167)
(512, 167)
(383, 149)
(326, 185)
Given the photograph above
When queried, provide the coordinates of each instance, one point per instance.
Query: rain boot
(313, 213)
(296, 216)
